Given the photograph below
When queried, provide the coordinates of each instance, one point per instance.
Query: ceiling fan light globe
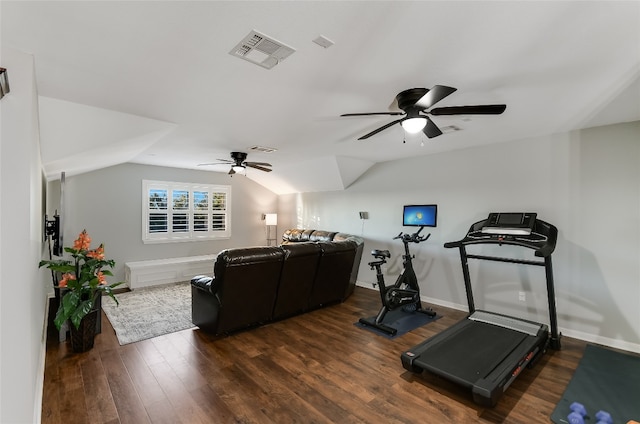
(414, 125)
(238, 168)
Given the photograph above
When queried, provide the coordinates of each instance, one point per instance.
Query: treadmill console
(514, 228)
(510, 223)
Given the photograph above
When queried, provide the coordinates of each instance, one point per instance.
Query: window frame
(191, 234)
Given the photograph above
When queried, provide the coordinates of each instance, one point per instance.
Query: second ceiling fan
(239, 163)
(415, 102)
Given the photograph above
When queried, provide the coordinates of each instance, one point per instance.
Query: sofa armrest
(202, 282)
(205, 306)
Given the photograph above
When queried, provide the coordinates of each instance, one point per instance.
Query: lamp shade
(414, 125)
(271, 219)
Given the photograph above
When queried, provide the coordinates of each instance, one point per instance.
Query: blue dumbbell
(578, 412)
(575, 418)
(604, 417)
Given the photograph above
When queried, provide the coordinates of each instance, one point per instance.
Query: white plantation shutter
(157, 203)
(201, 216)
(184, 211)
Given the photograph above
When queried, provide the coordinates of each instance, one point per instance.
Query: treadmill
(486, 351)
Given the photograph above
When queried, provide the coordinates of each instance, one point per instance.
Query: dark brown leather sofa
(255, 285)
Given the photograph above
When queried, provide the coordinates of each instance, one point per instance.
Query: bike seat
(380, 253)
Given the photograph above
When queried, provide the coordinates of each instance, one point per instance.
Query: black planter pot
(55, 304)
(82, 338)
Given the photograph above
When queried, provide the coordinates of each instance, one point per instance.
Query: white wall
(108, 204)
(587, 183)
(23, 287)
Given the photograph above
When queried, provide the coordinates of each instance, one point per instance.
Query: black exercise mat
(604, 380)
(400, 320)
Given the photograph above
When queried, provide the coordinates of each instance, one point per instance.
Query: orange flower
(65, 279)
(97, 253)
(101, 278)
(83, 241)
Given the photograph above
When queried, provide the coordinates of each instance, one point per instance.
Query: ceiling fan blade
(261, 168)
(220, 162)
(372, 113)
(469, 110)
(431, 130)
(232, 171)
(213, 163)
(382, 128)
(433, 96)
(257, 163)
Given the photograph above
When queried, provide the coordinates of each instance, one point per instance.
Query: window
(184, 211)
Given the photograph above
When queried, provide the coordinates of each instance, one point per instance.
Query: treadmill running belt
(472, 353)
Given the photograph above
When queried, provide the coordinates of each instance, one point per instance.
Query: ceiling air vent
(262, 149)
(261, 50)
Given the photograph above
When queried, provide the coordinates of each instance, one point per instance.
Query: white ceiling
(154, 83)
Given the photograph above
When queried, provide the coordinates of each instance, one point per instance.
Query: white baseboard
(164, 271)
(38, 395)
(365, 285)
(597, 339)
(438, 302)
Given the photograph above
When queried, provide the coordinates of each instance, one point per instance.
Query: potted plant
(83, 281)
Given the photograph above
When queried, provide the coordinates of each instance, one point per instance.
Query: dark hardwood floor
(313, 368)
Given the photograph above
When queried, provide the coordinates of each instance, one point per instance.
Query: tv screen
(420, 215)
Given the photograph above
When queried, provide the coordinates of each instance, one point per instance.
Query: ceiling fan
(415, 102)
(239, 163)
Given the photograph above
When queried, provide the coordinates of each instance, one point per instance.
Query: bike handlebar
(414, 238)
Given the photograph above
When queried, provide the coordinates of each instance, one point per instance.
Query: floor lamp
(271, 220)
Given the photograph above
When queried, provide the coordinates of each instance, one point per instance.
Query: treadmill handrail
(542, 239)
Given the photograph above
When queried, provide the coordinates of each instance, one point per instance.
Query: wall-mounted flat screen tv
(420, 215)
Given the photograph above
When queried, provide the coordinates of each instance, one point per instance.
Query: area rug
(400, 320)
(150, 312)
(605, 380)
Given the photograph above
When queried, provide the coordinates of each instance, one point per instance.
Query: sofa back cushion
(296, 280)
(345, 236)
(356, 262)
(334, 272)
(320, 235)
(246, 282)
(297, 235)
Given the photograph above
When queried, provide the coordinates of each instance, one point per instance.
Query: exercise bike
(405, 292)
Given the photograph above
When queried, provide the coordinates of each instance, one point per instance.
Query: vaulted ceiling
(154, 82)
